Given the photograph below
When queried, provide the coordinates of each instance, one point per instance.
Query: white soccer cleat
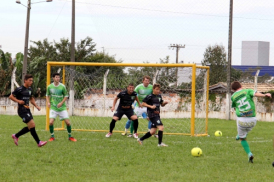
(135, 135)
(124, 134)
(108, 135)
(162, 145)
(140, 141)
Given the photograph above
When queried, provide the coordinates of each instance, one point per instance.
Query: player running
(126, 97)
(23, 95)
(242, 101)
(153, 102)
(56, 96)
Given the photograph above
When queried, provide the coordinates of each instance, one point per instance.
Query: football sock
(245, 146)
(112, 125)
(128, 124)
(131, 127)
(34, 135)
(22, 132)
(160, 136)
(135, 125)
(69, 130)
(51, 130)
(147, 135)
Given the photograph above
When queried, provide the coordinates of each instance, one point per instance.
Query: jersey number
(243, 104)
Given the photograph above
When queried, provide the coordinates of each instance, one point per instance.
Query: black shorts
(25, 115)
(155, 121)
(120, 112)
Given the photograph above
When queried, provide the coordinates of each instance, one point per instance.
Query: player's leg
(52, 116)
(23, 131)
(127, 126)
(131, 129)
(147, 135)
(134, 119)
(160, 136)
(117, 116)
(64, 116)
(31, 126)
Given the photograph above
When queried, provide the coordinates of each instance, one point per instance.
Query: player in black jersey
(126, 97)
(153, 102)
(23, 95)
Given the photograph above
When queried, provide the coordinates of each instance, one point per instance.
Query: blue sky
(140, 31)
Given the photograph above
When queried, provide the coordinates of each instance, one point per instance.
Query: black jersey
(156, 100)
(126, 100)
(23, 93)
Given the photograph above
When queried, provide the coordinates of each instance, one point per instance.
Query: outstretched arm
(149, 106)
(32, 101)
(114, 103)
(258, 94)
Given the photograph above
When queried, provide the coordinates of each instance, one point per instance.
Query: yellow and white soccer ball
(218, 133)
(196, 152)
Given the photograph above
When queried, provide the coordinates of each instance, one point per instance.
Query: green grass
(96, 158)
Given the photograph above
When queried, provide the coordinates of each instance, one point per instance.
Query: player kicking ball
(56, 96)
(23, 95)
(242, 101)
(126, 97)
(153, 102)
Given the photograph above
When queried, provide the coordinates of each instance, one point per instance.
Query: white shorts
(141, 112)
(245, 125)
(62, 114)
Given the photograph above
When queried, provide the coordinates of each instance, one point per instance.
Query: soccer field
(96, 158)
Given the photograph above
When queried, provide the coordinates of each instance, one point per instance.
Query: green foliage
(97, 158)
(5, 73)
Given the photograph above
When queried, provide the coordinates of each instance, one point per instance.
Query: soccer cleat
(135, 135)
(72, 139)
(124, 134)
(130, 135)
(108, 135)
(156, 136)
(51, 139)
(15, 139)
(140, 141)
(162, 145)
(42, 143)
(250, 158)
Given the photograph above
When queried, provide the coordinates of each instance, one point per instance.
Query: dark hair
(156, 85)
(235, 85)
(55, 74)
(146, 77)
(131, 84)
(27, 76)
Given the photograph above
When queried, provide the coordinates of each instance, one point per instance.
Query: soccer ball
(196, 152)
(218, 133)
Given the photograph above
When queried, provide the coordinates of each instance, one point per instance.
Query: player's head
(56, 77)
(236, 85)
(156, 89)
(28, 80)
(130, 88)
(146, 80)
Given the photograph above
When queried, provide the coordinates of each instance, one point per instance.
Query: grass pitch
(96, 158)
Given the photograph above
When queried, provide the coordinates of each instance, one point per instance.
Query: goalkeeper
(142, 91)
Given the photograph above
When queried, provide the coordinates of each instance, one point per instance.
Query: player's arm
(136, 98)
(164, 103)
(149, 106)
(11, 97)
(114, 103)
(62, 102)
(32, 101)
(48, 101)
(258, 94)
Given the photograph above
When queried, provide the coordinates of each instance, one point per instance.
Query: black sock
(34, 135)
(160, 136)
(135, 125)
(147, 135)
(22, 132)
(112, 125)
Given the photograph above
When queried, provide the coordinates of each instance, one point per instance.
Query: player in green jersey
(242, 101)
(142, 90)
(56, 96)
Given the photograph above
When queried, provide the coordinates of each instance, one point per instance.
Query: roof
(263, 69)
(221, 87)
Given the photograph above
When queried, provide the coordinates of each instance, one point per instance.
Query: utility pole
(177, 46)
(72, 59)
(229, 59)
(25, 61)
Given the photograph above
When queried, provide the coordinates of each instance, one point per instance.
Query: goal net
(92, 88)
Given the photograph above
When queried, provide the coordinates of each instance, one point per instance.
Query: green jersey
(142, 92)
(57, 94)
(242, 101)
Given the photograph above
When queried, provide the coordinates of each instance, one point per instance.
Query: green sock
(245, 146)
(131, 127)
(51, 129)
(69, 130)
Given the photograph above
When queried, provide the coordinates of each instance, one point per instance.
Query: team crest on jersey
(159, 99)
(158, 121)
(132, 97)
